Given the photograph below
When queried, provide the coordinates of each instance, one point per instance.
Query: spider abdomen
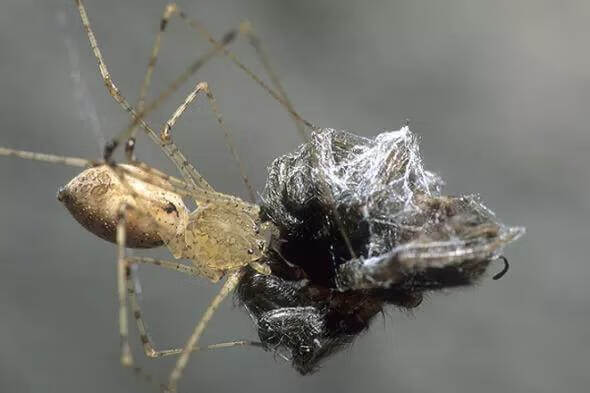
(96, 196)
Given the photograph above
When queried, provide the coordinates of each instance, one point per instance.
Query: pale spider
(134, 205)
(346, 226)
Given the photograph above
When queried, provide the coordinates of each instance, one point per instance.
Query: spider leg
(246, 30)
(50, 158)
(147, 342)
(203, 88)
(188, 171)
(229, 285)
(125, 279)
(123, 273)
(170, 10)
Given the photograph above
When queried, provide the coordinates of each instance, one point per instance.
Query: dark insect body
(361, 226)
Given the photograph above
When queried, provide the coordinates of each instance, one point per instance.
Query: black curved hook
(504, 270)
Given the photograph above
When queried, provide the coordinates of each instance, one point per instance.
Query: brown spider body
(222, 234)
(95, 196)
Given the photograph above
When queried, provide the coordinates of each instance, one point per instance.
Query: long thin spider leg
(255, 42)
(137, 370)
(229, 141)
(278, 97)
(182, 361)
(159, 174)
(179, 187)
(170, 183)
(122, 275)
(175, 185)
(147, 342)
(171, 265)
(104, 72)
(124, 271)
(188, 171)
(129, 261)
(172, 88)
(203, 87)
(247, 30)
(50, 158)
(169, 10)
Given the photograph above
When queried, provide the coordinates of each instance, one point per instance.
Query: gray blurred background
(498, 92)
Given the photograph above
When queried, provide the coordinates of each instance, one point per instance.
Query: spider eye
(170, 208)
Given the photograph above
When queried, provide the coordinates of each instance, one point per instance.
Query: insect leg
(182, 361)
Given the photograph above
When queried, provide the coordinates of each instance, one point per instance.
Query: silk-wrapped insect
(361, 225)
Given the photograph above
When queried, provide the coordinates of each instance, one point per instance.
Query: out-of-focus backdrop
(498, 91)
